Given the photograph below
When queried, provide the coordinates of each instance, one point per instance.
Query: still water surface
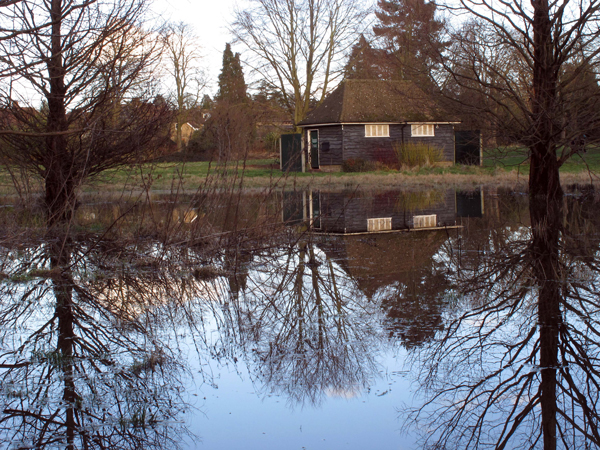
(286, 322)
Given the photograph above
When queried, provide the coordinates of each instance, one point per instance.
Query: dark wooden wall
(356, 145)
(444, 139)
(349, 142)
(333, 136)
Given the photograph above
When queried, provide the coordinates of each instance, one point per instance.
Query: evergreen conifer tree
(232, 86)
(366, 62)
(231, 125)
(412, 36)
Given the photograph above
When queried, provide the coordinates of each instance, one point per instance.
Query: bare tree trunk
(544, 176)
(63, 291)
(59, 185)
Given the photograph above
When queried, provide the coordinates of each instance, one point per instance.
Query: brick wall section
(356, 145)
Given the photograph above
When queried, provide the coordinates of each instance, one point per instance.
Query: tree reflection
(306, 329)
(518, 368)
(75, 371)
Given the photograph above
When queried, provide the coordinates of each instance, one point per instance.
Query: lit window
(422, 130)
(377, 130)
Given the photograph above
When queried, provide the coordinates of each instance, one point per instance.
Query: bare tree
(528, 60)
(298, 45)
(183, 65)
(90, 67)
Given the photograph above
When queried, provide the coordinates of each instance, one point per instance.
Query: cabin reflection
(353, 211)
(399, 272)
(469, 203)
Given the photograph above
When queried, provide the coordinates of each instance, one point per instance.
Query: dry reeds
(417, 154)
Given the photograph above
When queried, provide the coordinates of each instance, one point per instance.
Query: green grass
(579, 163)
(506, 158)
(516, 159)
(192, 175)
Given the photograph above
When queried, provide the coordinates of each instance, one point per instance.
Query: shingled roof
(364, 101)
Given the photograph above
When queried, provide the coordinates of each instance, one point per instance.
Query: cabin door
(313, 136)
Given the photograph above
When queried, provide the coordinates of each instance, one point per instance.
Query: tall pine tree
(367, 63)
(232, 86)
(413, 37)
(231, 125)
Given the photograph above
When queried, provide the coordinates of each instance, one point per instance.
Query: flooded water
(304, 320)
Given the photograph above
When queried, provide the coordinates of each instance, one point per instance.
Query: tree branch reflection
(304, 325)
(73, 376)
(517, 366)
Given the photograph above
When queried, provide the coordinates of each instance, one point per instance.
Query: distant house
(367, 119)
(187, 129)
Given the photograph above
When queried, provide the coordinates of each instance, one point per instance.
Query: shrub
(411, 201)
(358, 165)
(417, 154)
(271, 141)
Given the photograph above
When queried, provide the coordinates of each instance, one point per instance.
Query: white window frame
(377, 130)
(422, 130)
(379, 224)
(425, 221)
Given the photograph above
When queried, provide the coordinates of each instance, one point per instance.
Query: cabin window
(379, 224)
(377, 130)
(422, 130)
(428, 221)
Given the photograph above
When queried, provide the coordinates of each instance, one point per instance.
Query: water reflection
(354, 211)
(79, 371)
(499, 318)
(399, 273)
(526, 343)
(304, 326)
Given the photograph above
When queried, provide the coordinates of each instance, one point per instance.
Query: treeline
(479, 69)
(234, 122)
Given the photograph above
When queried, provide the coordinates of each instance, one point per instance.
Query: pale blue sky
(210, 20)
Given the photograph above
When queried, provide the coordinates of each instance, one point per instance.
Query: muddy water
(285, 321)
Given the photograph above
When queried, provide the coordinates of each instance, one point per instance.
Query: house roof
(364, 101)
(384, 259)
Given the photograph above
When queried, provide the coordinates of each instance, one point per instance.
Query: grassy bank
(515, 159)
(502, 168)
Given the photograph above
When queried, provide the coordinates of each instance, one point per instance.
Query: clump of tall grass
(417, 154)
